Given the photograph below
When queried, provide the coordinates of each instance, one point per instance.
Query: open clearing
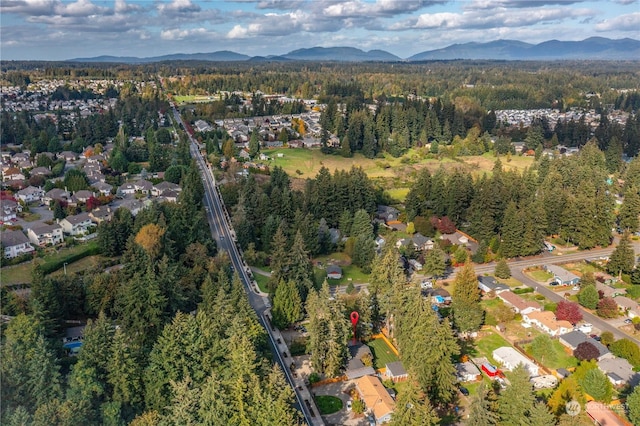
(305, 163)
(382, 353)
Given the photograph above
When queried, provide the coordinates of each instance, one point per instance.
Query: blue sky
(61, 29)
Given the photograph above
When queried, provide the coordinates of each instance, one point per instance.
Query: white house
(627, 306)
(103, 188)
(162, 187)
(10, 210)
(77, 224)
(30, 194)
(518, 304)
(510, 359)
(127, 189)
(44, 235)
(467, 372)
(15, 244)
(56, 194)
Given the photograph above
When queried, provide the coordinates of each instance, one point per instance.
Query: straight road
(219, 222)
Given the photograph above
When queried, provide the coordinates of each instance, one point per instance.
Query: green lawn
(262, 282)
(562, 358)
(398, 194)
(29, 217)
(486, 345)
(382, 353)
(540, 275)
(21, 274)
(348, 271)
(328, 404)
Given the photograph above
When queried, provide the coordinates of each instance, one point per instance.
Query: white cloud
(629, 22)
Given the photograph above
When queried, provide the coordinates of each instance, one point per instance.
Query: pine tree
(502, 269)
(596, 384)
(511, 232)
(279, 255)
(539, 415)
(633, 406)
(467, 312)
(123, 371)
(413, 409)
(630, 210)
(480, 413)
(516, 401)
(622, 259)
(254, 144)
(434, 262)
(287, 306)
(300, 268)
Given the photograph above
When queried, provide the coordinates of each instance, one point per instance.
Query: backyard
(559, 359)
(328, 404)
(382, 353)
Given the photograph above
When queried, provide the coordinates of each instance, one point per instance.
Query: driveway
(342, 417)
(44, 212)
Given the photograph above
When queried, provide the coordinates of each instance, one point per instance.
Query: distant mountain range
(590, 48)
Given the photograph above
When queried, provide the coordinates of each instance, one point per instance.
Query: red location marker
(354, 317)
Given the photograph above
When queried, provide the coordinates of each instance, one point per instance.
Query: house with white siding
(14, 244)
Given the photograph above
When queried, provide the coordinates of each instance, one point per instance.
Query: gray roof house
(619, 371)
(574, 338)
(334, 272)
(487, 284)
(562, 276)
(15, 244)
(355, 366)
(467, 371)
(421, 242)
(396, 372)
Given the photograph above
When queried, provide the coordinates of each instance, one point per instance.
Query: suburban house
(573, 338)
(334, 272)
(30, 194)
(56, 194)
(547, 322)
(561, 275)
(627, 306)
(127, 189)
(421, 243)
(415, 265)
(40, 171)
(467, 372)
(103, 188)
(488, 284)
(511, 358)
(170, 196)
(10, 210)
(143, 186)
(376, 398)
(68, 156)
(517, 303)
(439, 296)
(82, 196)
(12, 173)
(44, 235)
(608, 291)
(134, 206)
(619, 371)
(164, 186)
(76, 225)
(387, 213)
(101, 214)
(602, 415)
(395, 371)
(355, 366)
(15, 243)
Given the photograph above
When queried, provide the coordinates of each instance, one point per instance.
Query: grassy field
(348, 271)
(21, 274)
(382, 353)
(562, 358)
(328, 404)
(29, 217)
(262, 282)
(306, 163)
(183, 99)
(398, 194)
(89, 263)
(540, 275)
(487, 344)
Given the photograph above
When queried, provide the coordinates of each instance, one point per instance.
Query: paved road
(222, 231)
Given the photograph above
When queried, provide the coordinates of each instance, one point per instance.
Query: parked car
(464, 391)
(349, 405)
(628, 321)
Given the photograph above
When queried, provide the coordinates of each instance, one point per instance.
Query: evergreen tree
(413, 409)
(254, 144)
(300, 268)
(511, 232)
(123, 371)
(623, 257)
(633, 406)
(596, 384)
(542, 349)
(480, 412)
(467, 312)
(279, 256)
(516, 401)
(630, 211)
(434, 262)
(287, 306)
(539, 415)
(502, 269)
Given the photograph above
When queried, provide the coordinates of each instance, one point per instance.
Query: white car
(585, 328)
(349, 405)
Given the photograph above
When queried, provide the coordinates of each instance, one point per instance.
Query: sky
(61, 29)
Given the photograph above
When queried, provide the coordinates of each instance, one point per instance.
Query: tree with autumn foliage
(607, 308)
(568, 311)
(150, 239)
